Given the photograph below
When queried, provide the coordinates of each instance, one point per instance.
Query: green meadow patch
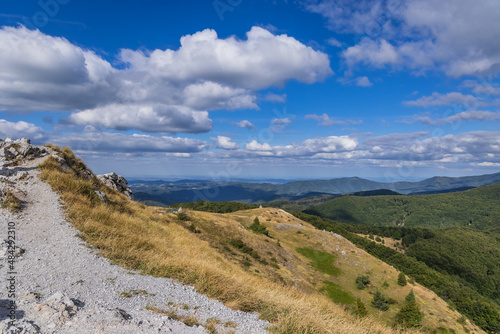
(321, 261)
(337, 295)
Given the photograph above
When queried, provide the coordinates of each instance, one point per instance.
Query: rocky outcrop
(116, 182)
(12, 152)
(15, 152)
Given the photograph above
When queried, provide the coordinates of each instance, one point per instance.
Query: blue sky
(387, 89)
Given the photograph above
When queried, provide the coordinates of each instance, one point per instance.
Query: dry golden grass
(387, 242)
(8, 200)
(143, 238)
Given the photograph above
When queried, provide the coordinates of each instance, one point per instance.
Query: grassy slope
(479, 208)
(273, 278)
(350, 261)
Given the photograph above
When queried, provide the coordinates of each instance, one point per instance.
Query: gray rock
(102, 196)
(22, 175)
(21, 149)
(116, 182)
(6, 153)
(59, 305)
(6, 172)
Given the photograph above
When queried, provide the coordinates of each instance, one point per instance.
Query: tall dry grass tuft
(136, 237)
(8, 200)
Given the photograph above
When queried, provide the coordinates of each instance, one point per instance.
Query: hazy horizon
(278, 180)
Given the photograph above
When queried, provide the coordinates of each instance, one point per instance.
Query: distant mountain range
(476, 208)
(168, 193)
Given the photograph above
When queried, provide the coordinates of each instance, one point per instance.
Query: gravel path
(63, 286)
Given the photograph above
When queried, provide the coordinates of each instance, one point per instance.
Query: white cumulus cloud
(16, 130)
(163, 91)
(41, 72)
(225, 143)
(260, 61)
(457, 37)
(368, 51)
(256, 146)
(308, 147)
(144, 117)
(130, 144)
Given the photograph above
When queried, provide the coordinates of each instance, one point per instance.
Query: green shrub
(402, 279)
(240, 245)
(257, 227)
(410, 314)
(360, 309)
(380, 302)
(192, 228)
(217, 207)
(362, 282)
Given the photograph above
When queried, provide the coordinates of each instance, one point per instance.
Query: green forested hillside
(378, 192)
(473, 256)
(461, 241)
(460, 264)
(301, 204)
(478, 208)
